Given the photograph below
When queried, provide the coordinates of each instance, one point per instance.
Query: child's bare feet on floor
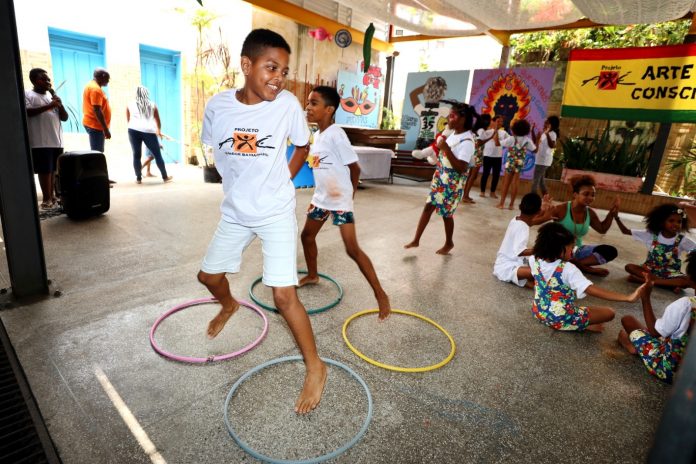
(384, 306)
(308, 280)
(310, 396)
(598, 271)
(500, 206)
(445, 249)
(413, 244)
(599, 328)
(219, 321)
(512, 206)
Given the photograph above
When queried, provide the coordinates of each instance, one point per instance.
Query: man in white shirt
(45, 112)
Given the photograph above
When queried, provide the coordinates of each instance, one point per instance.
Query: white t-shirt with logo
(45, 130)
(544, 155)
(508, 258)
(329, 157)
(250, 143)
(139, 122)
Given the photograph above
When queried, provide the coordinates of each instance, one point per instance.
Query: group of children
(558, 283)
(248, 129)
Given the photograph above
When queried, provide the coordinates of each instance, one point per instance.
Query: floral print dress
(663, 260)
(446, 188)
(554, 301)
(662, 355)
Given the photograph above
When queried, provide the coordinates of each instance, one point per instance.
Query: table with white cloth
(375, 163)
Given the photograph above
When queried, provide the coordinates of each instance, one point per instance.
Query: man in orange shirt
(96, 111)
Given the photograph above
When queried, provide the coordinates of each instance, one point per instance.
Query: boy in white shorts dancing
(248, 129)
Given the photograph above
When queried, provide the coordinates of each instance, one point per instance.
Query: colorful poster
(632, 84)
(360, 98)
(423, 114)
(514, 93)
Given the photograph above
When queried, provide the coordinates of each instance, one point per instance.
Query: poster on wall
(423, 114)
(517, 93)
(360, 98)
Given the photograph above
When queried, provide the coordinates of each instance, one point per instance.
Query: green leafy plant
(389, 120)
(687, 162)
(600, 154)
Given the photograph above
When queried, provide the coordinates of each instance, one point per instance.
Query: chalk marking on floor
(129, 418)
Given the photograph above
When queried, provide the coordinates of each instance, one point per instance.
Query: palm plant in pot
(687, 163)
(617, 165)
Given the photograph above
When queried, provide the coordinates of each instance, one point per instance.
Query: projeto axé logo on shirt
(246, 142)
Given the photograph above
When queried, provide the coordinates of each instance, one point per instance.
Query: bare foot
(469, 200)
(529, 284)
(308, 280)
(511, 207)
(310, 396)
(599, 328)
(149, 175)
(483, 194)
(677, 290)
(493, 195)
(412, 244)
(445, 249)
(384, 306)
(499, 206)
(219, 321)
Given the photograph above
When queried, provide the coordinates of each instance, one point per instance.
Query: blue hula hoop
(317, 459)
(309, 310)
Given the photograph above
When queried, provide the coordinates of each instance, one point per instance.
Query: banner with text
(634, 84)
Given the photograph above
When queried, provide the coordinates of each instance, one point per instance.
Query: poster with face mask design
(424, 115)
(360, 98)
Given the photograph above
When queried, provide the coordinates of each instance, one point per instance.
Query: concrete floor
(516, 391)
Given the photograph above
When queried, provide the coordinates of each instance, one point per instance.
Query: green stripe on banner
(628, 114)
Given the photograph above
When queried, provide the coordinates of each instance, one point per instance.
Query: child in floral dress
(518, 146)
(482, 124)
(450, 173)
(665, 239)
(558, 283)
(661, 344)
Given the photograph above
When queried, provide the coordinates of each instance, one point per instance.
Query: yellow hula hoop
(397, 368)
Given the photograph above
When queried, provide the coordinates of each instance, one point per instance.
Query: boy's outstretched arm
(297, 159)
(624, 230)
(648, 313)
(599, 292)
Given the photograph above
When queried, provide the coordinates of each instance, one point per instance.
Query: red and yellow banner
(634, 84)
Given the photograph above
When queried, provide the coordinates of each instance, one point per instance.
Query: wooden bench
(404, 165)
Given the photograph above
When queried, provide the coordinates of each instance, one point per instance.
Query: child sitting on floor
(661, 344)
(557, 284)
(665, 240)
(510, 262)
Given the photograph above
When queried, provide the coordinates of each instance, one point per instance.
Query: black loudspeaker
(82, 182)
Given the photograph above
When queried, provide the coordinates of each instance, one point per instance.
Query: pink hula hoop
(218, 357)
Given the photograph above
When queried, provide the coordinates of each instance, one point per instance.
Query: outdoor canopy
(473, 17)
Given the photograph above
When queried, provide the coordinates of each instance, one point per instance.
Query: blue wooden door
(160, 72)
(74, 57)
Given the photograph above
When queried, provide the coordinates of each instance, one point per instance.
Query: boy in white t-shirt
(248, 129)
(661, 343)
(336, 174)
(510, 265)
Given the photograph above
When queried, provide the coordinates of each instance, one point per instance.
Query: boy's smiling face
(265, 75)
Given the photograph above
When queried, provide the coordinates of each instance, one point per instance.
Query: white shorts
(278, 244)
(507, 272)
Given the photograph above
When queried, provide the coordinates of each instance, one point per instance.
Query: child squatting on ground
(661, 343)
(248, 129)
(336, 174)
(510, 262)
(558, 283)
(450, 173)
(665, 239)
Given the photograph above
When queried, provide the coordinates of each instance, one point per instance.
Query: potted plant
(617, 165)
(687, 162)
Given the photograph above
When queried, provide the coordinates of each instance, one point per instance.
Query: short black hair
(551, 241)
(329, 95)
(530, 204)
(482, 122)
(260, 39)
(656, 217)
(521, 127)
(34, 73)
(580, 181)
(691, 265)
